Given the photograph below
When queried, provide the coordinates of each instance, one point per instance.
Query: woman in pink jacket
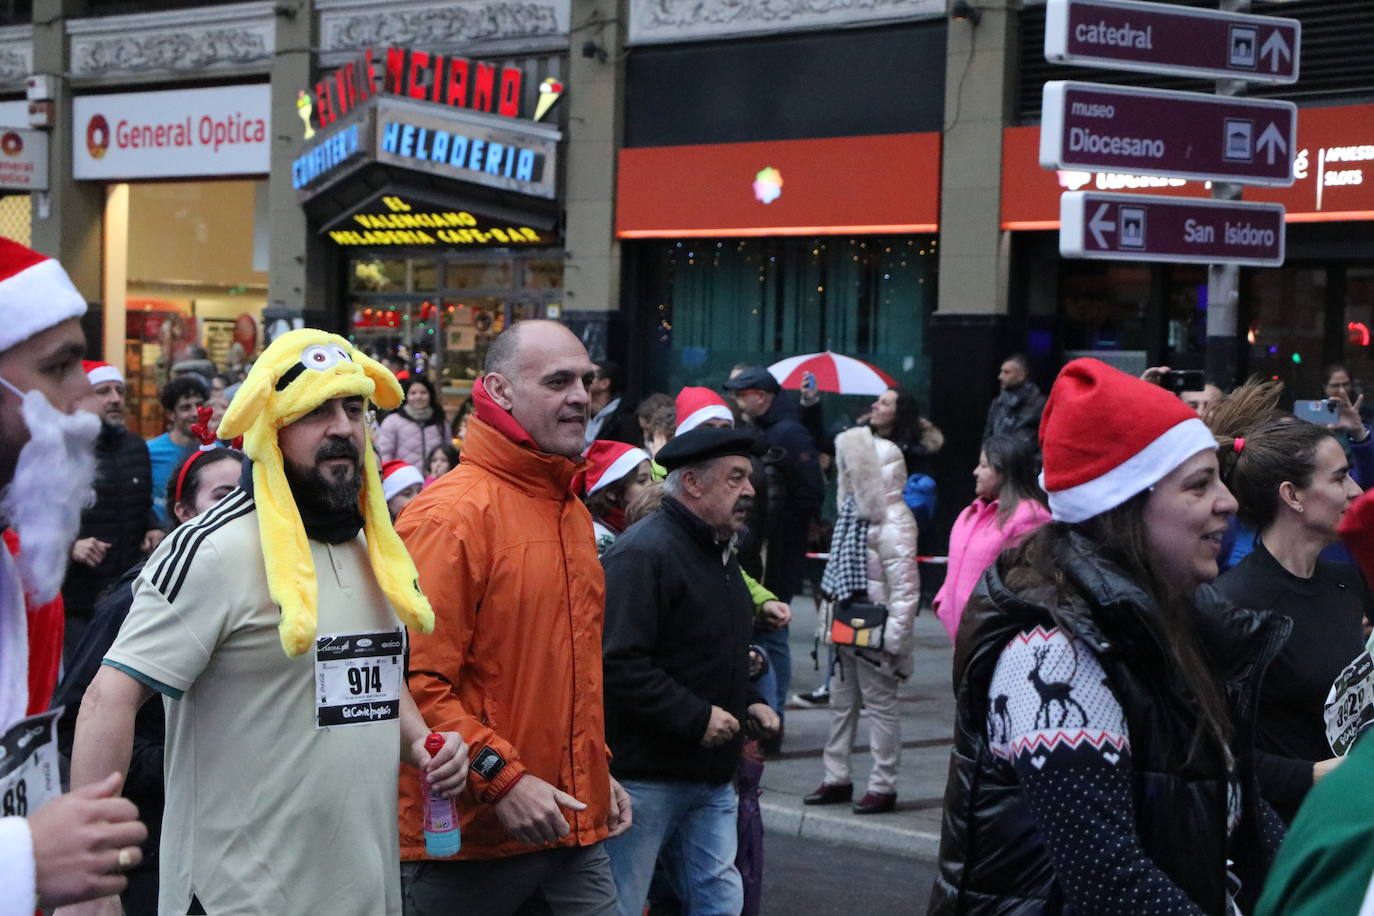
(1008, 504)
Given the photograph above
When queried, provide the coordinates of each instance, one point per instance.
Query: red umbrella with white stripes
(834, 372)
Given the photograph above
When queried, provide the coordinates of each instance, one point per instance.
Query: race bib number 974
(358, 677)
(1349, 707)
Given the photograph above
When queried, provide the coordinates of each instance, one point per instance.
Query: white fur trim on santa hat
(629, 459)
(36, 298)
(105, 373)
(1142, 470)
(399, 479)
(709, 412)
(17, 873)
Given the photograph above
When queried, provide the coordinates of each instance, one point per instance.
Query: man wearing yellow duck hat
(272, 626)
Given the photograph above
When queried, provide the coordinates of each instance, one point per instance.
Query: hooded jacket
(974, 543)
(506, 555)
(873, 471)
(992, 856)
(403, 438)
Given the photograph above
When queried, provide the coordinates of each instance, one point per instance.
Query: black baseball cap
(753, 377)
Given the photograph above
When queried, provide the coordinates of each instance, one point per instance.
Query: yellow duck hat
(300, 371)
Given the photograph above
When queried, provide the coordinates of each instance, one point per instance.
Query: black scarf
(330, 526)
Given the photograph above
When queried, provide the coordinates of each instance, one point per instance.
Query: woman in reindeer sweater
(1106, 694)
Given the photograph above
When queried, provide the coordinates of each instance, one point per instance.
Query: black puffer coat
(121, 516)
(992, 857)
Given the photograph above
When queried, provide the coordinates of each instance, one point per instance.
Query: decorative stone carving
(235, 37)
(658, 21)
(352, 26)
(16, 54)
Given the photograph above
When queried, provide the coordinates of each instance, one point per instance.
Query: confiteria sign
(181, 133)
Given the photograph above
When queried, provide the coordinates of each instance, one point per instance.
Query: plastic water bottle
(441, 815)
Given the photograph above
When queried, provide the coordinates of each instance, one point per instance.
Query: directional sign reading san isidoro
(1099, 128)
(1173, 40)
(1140, 227)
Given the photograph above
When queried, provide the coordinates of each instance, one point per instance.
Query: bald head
(540, 373)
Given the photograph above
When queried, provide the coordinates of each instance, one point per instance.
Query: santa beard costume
(52, 483)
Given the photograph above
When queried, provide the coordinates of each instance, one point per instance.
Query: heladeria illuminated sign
(465, 146)
(395, 221)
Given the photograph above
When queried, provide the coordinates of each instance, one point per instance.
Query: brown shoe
(876, 803)
(830, 795)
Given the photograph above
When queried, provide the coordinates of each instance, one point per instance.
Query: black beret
(705, 443)
(753, 377)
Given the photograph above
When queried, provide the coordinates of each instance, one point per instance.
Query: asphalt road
(811, 878)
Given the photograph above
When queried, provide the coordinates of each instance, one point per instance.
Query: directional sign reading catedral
(1099, 128)
(1139, 227)
(1174, 40)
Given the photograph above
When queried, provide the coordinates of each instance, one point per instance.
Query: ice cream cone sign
(549, 92)
(303, 108)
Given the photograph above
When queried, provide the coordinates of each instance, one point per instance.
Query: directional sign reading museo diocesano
(1173, 40)
(1156, 132)
(1139, 227)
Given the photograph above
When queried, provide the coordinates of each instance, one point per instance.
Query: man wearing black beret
(678, 695)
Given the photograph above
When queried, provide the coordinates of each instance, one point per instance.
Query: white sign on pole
(179, 133)
(23, 159)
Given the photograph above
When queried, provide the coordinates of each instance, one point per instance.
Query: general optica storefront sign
(1333, 171)
(179, 133)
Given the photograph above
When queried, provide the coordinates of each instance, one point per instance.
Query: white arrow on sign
(1276, 49)
(1271, 141)
(1097, 225)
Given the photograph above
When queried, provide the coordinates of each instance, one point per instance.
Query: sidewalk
(927, 705)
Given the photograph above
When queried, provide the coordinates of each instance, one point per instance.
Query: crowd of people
(569, 613)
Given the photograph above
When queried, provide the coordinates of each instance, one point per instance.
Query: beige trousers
(854, 681)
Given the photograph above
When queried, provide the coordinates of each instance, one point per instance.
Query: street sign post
(1139, 227)
(1098, 128)
(1172, 40)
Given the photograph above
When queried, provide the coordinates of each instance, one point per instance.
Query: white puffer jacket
(873, 470)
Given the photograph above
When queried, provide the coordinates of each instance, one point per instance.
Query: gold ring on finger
(126, 859)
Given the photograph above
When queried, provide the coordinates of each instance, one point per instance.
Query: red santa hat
(99, 373)
(1356, 529)
(35, 294)
(608, 462)
(697, 405)
(1106, 436)
(397, 476)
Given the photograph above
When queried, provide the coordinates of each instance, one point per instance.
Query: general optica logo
(97, 136)
(11, 144)
(768, 185)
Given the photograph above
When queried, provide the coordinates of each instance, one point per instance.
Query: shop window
(16, 218)
(1286, 327)
(479, 274)
(193, 285)
(714, 303)
(544, 274)
(1359, 325)
(1104, 306)
(445, 332)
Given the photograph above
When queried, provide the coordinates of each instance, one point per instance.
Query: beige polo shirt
(267, 810)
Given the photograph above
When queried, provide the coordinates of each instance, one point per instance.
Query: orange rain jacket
(507, 558)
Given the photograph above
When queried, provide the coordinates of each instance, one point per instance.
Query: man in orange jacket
(506, 555)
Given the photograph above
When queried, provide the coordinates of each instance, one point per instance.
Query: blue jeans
(774, 685)
(692, 826)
